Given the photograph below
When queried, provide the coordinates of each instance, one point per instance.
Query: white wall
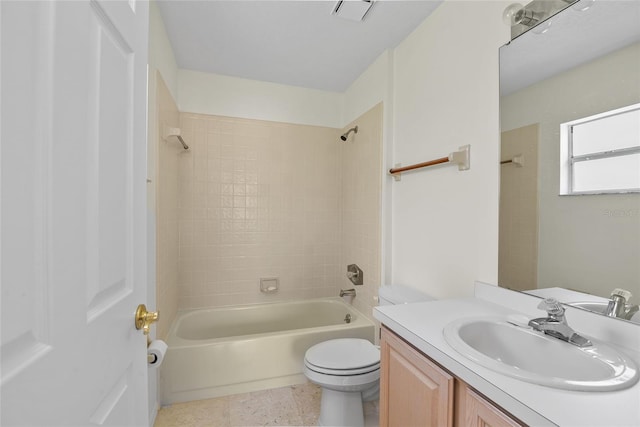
(369, 89)
(161, 55)
(445, 222)
(218, 95)
(161, 60)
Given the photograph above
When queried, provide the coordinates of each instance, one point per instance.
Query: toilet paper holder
(156, 352)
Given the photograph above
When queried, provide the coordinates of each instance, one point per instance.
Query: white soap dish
(269, 285)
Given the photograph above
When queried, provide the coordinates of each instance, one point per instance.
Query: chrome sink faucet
(555, 324)
(618, 306)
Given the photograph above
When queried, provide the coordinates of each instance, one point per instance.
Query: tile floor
(297, 405)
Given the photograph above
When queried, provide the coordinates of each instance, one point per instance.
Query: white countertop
(421, 324)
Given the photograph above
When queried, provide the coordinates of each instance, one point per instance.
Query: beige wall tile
(254, 199)
(264, 191)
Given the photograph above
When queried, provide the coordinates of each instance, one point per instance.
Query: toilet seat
(342, 372)
(343, 357)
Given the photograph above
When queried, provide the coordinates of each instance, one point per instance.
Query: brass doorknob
(145, 318)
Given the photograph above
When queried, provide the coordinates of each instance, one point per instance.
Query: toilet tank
(398, 294)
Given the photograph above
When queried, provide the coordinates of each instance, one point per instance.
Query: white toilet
(348, 369)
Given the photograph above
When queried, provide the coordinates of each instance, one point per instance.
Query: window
(601, 153)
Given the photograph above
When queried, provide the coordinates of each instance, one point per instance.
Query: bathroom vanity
(425, 381)
(415, 390)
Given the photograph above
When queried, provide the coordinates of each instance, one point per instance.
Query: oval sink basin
(528, 355)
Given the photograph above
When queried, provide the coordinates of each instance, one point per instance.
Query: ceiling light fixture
(353, 10)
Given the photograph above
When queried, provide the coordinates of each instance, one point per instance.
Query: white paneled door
(72, 259)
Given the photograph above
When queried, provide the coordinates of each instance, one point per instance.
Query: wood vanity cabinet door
(474, 411)
(413, 390)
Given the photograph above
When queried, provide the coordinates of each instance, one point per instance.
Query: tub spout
(347, 292)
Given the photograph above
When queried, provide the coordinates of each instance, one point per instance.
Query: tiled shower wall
(261, 199)
(258, 200)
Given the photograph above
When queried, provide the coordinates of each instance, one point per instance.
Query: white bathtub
(216, 352)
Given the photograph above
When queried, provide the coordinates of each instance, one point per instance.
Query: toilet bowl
(348, 370)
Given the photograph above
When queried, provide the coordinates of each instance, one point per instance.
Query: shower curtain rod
(460, 157)
(169, 132)
(184, 144)
(516, 160)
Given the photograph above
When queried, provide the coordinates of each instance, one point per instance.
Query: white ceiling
(296, 43)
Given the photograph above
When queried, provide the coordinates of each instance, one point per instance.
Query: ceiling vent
(353, 10)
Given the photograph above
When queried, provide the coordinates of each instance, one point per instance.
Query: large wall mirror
(580, 66)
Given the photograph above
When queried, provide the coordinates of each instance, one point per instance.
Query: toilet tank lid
(399, 294)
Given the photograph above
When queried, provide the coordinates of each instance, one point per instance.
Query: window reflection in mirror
(601, 153)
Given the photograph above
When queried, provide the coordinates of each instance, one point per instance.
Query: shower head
(345, 135)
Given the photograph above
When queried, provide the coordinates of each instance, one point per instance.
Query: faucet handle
(551, 306)
(622, 293)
